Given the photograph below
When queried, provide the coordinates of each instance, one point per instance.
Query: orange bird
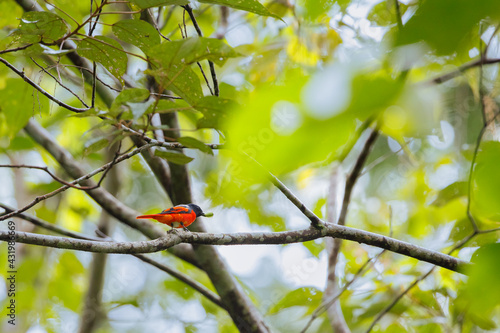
(179, 216)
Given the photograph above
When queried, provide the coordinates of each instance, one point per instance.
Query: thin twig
(354, 175)
(398, 15)
(396, 300)
(77, 181)
(155, 24)
(461, 69)
(59, 82)
(113, 46)
(471, 170)
(16, 49)
(44, 168)
(170, 145)
(416, 282)
(210, 63)
(326, 304)
(316, 222)
(40, 89)
(165, 95)
(205, 77)
(52, 4)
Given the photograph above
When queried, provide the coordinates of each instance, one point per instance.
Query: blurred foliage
(300, 83)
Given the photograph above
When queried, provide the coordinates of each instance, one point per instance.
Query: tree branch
(461, 69)
(315, 220)
(356, 171)
(255, 238)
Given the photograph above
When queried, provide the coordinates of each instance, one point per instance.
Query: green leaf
(133, 95)
(314, 9)
(179, 288)
(372, 93)
(95, 147)
(177, 158)
(17, 105)
(272, 126)
(486, 183)
(137, 32)
(445, 24)
(451, 192)
(105, 51)
(168, 105)
(314, 248)
(182, 80)
(125, 102)
(252, 6)
(384, 13)
(484, 280)
(199, 48)
(157, 3)
(214, 109)
(171, 64)
(305, 296)
(40, 27)
(193, 49)
(63, 284)
(461, 230)
(195, 143)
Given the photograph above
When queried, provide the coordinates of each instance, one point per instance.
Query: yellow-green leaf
(137, 32)
(40, 27)
(191, 142)
(105, 51)
(177, 158)
(157, 3)
(252, 6)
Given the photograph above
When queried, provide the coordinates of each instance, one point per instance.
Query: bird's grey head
(197, 210)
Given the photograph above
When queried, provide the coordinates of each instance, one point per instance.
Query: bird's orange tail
(152, 216)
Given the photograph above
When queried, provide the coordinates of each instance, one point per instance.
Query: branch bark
(333, 308)
(255, 238)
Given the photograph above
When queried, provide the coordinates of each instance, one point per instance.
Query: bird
(180, 216)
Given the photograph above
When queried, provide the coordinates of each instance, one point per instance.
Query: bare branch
(170, 145)
(356, 171)
(315, 220)
(255, 238)
(16, 49)
(44, 168)
(461, 69)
